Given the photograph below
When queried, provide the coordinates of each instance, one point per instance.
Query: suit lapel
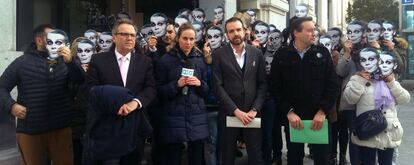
(249, 60)
(114, 69)
(232, 58)
(133, 64)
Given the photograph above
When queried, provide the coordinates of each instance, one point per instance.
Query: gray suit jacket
(235, 88)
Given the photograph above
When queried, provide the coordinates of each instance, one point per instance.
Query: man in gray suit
(240, 82)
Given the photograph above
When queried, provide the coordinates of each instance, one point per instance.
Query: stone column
(8, 151)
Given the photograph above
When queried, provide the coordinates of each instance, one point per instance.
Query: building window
(408, 17)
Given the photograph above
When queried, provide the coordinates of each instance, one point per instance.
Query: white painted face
(261, 33)
(105, 42)
(85, 52)
(219, 14)
(158, 25)
(274, 41)
(326, 42)
(198, 16)
(354, 33)
(369, 61)
(91, 36)
(373, 32)
(387, 64)
(146, 33)
(53, 42)
(214, 38)
(252, 15)
(335, 36)
(179, 22)
(188, 14)
(271, 28)
(199, 32)
(316, 32)
(268, 63)
(388, 31)
(301, 11)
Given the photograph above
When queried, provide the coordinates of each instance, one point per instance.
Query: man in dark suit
(305, 87)
(123, 66)
(240, 82)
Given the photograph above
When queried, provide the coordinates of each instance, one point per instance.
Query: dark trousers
(228, 140)
(349, 118)
(339, 134)
(134, 157)
(174, 151)
(77, 151)
(296, 152)
(105, 162)
(370, 154)
(272, 136)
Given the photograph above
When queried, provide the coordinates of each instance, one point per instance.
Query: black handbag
(369, 124)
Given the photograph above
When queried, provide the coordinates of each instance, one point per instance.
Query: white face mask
(387, 64)
(252, 15)
(354, 33)
(214, 38)
(218, 14)
(146, 33)
(158, 25)
(199, 32)
(301, 11)
(261, 33)
(268, 64)
(369, 61)
(53, 42)
(316, 32)
(91, 36)
(335, 37)
(105, 42)
(179, 22)
(271, 28)
(388, 31)
(85, 52)
(188, 14)
(198, 16)
(274, 41)
(326, 42)
(373, 32)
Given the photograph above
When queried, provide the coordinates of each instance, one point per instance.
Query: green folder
(307, 135)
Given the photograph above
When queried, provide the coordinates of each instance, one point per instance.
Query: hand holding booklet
(308, 135)
(232, 121)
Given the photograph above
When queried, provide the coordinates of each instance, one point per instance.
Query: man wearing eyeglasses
(125, 67)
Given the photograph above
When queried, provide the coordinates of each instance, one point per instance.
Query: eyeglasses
(126, 34)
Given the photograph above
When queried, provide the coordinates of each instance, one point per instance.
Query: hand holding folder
(308, 135)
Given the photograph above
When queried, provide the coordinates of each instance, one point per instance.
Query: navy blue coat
(183, 118)
(46, 90)
(108, 135)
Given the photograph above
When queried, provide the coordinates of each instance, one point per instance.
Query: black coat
(109, 135)
(104, 70)
(236, 88)
(182, 118)
(43, 88)
(307, 84)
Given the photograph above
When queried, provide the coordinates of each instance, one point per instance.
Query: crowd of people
(175, 83)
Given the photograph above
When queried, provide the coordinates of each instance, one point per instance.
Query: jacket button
(385, 112)
(385, 131)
